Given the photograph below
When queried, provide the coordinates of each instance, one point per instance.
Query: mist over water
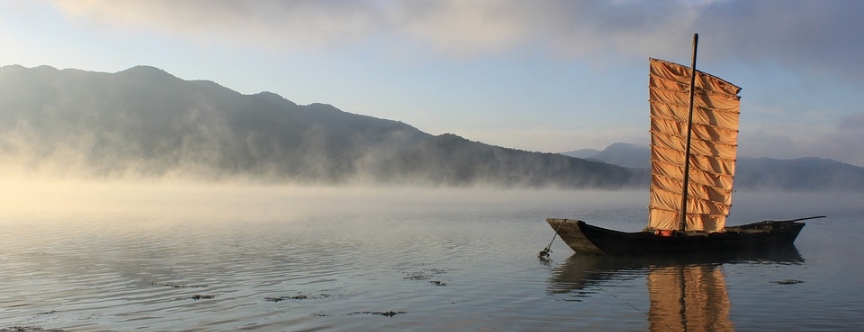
(137, 200)
(160, 255)
(144, 124)
(244, 201)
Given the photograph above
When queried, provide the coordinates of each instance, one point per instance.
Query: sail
(713, 148)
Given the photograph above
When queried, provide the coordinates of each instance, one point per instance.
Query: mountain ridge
(798, 174)
(146, 122)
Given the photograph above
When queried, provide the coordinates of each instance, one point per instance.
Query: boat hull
(585, 238)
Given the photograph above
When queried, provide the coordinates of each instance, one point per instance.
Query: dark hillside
(146, 122)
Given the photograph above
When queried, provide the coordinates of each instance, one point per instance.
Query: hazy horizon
(550, 77)
(153, 180)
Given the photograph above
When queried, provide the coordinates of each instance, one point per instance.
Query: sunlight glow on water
(219, 258)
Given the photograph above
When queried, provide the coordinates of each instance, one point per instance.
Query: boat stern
(569, 230)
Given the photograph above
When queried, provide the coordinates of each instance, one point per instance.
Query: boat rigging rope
(545, 252)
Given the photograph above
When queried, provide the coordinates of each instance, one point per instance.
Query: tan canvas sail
(713, 147)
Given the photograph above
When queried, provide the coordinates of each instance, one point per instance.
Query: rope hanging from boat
(545, 252)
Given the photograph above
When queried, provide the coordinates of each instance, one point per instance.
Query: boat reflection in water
(686, 293)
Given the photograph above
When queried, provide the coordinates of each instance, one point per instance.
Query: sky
(549, 76)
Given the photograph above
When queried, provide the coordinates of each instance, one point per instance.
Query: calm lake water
(101, 257)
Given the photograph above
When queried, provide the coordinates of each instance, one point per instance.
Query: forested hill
(145, 122)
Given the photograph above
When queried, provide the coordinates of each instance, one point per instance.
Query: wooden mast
(685, 187)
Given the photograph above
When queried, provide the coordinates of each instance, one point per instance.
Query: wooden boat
(762, 235)
(694, 140)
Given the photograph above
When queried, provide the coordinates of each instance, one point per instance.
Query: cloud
(266, 24)
(820, 36)
(839, 142)
(817, 36)
(844, 143)
(852, 124)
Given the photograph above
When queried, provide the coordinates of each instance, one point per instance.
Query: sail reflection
(686, 293)
(688, 298)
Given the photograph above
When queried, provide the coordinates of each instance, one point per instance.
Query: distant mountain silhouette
(800, 174)
(453, 160)
(625, 154)
(582, 153)
(145, 122)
